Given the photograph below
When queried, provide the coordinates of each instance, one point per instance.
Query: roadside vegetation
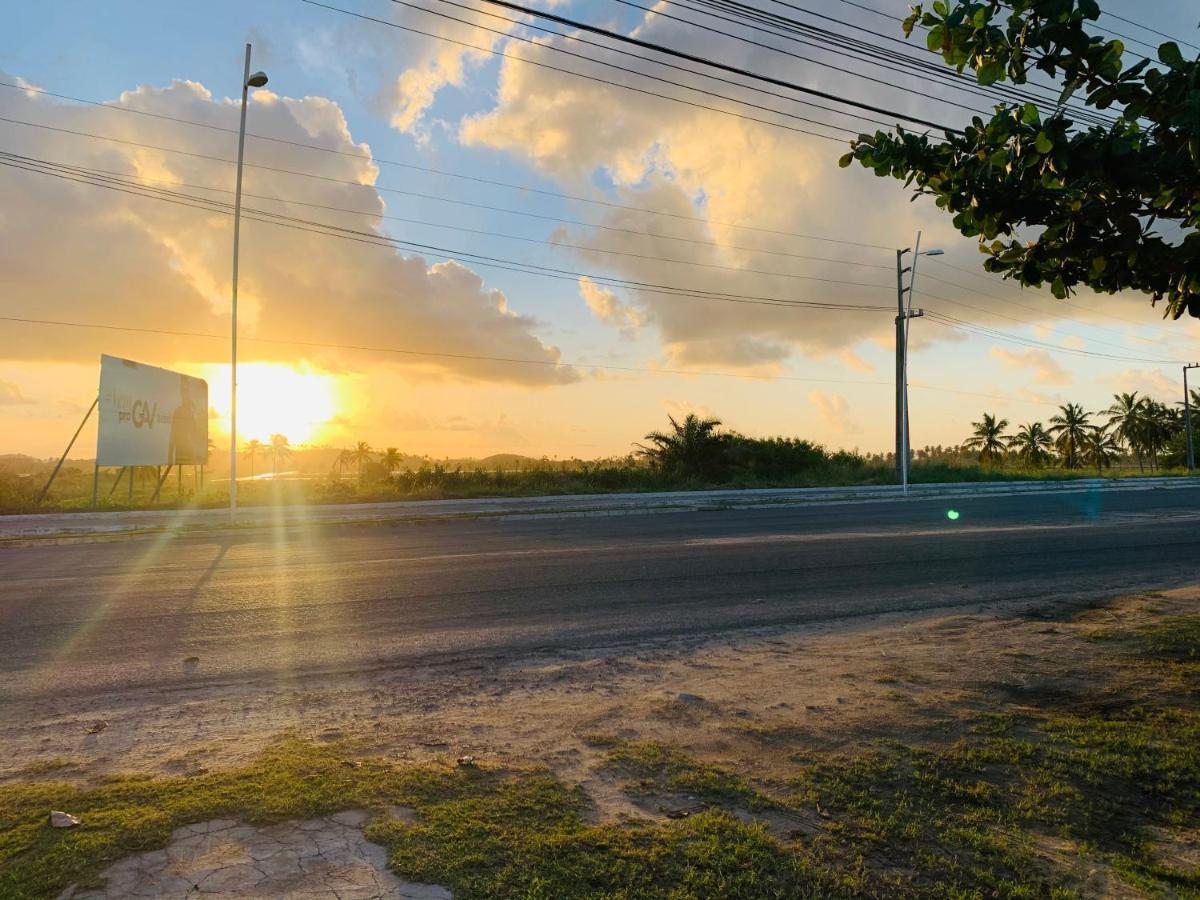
(1047, 794)
(1134, 436)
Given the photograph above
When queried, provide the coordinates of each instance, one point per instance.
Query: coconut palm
(281, 452)
(988, 438)
(1159, 424)
(344, 460)
(1126, 419)
(251, 451)
(1070, 428)
(693, 447)
(361, 455)
(1032, 443)
(1100, 449)
(390, 459)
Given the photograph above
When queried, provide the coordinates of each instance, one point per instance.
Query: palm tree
(281, 452)
(344, 460)
(1032, 443)
(693, 447)
(1125, 417)
(988, 438)
(253, 448)
(1100, 448)
(1070, 428)
(1159, 423)
(361, 454)
(390, 459)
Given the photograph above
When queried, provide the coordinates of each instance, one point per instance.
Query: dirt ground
(906, 676)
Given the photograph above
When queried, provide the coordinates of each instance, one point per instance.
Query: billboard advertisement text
(150, 416)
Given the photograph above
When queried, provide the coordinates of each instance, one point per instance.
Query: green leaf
(1099, 264)
(845, 161)
(1089, 8)
(933, 40)
(1043, 143)
(991, 72)
(1030, 114)
(1058, 288)
(1169, 54)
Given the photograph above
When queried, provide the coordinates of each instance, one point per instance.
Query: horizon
(496, 358)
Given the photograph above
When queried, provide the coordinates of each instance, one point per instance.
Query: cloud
(82, 253)
(607, 307)
(1045, 369)
(834, 412)
(1151, 382)
(10, 395)
(703, 171)
(852, 360)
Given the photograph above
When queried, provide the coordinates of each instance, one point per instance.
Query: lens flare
(952, 515)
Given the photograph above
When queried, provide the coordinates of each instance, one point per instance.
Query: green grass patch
(1023, 803)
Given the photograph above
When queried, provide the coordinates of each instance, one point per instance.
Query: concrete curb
(51, 525)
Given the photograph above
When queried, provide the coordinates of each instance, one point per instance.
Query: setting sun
(274, 399)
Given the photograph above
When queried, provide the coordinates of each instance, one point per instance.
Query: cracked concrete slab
(326, 857)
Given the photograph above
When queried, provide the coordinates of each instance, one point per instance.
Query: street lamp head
(934, 252)
(257, 80)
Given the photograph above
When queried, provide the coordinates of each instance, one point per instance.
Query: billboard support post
(95, 484)
(112, 490)
(63, 458)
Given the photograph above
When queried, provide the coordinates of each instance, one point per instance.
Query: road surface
(169, 611)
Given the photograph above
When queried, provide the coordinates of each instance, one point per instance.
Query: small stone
(466, 761)
(96, 727)
(63, 820)
(690, 699)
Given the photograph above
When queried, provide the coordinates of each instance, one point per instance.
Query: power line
(377, 160)
(575, 74)
(1146, 28)
(654, 370)
(575, 38)
(133, 179)
(679, 54)
(382, 189)
(826, 41)
(1085, 309)
(841, 44)
(376, 239)
(961, 325)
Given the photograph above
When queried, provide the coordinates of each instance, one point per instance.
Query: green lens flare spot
(952, 515)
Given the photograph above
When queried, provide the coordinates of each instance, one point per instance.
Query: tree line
(1149, 431)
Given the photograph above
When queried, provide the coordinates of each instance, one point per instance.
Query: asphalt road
(167, 611)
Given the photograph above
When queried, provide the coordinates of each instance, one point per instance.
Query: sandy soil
(723, 700)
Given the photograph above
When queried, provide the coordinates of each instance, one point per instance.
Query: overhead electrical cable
(841, 44)
(322, 345)
(327, 178)
(481, 260)
(133, 179)
(596, 78)
(715, 64)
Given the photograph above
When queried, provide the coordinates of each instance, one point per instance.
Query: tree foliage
(1111, 207)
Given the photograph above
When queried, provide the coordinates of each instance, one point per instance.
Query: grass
(1022, 801)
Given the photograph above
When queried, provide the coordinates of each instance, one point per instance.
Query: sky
(528, 260)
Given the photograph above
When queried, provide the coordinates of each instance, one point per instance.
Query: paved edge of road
(96, 524)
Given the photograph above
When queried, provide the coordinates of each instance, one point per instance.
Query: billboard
(150, 416)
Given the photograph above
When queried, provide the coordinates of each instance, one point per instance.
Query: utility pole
(257, 80)
(904, 313)
(1187, 418)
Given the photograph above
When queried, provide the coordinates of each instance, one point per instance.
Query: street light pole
(903, 318)
(258, 79)
(1187, 418)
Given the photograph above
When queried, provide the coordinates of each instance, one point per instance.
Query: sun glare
(274, 399)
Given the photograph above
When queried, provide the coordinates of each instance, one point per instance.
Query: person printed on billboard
(188, 445)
